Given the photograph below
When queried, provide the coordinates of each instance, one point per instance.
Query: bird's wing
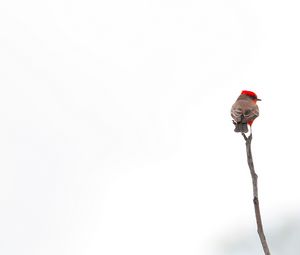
(251, 113)
(236, 113)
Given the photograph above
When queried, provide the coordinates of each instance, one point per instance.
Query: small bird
(244, 111)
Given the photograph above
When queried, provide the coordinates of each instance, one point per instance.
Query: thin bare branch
(255, 195)
(259, 224)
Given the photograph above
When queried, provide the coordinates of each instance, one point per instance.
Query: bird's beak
(258, 99)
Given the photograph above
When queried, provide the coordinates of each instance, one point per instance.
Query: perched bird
(244, 111)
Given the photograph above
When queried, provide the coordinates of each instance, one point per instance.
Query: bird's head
(250, 94)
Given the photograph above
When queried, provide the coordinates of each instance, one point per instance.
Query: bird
(244, 111)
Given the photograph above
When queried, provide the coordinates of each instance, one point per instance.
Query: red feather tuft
(248, 93)
(250, 122)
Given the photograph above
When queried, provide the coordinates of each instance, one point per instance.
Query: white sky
(116, 135)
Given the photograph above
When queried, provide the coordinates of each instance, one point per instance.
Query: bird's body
(244, 111)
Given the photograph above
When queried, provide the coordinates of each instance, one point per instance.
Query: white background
(116, 135)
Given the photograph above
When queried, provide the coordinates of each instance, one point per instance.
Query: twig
(260, 229)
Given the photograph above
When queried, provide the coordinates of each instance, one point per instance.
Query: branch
(260, 229)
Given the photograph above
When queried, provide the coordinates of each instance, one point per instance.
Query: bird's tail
(241, 127)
